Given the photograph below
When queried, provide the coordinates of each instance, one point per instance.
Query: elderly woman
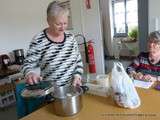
(147, 65)
(55, 51)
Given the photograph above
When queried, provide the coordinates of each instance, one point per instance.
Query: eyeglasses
(154, 41)
(154, 44)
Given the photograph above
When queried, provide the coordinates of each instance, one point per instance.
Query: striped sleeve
(32, 57)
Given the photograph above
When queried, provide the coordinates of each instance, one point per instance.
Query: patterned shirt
(143, 65)
(58, 61)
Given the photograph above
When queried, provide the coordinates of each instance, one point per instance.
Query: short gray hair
(155, 36)
(55, 9)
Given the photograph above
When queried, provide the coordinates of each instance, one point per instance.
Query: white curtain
(105, 6)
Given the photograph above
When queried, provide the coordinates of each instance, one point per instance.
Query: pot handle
(32, 91)
(84, 88)
(49, 98)
(40, 85)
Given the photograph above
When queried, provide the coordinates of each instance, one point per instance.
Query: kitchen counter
(101, 108)
(12, 69)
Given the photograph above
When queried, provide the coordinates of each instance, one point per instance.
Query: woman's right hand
(137, 76)
(33, 78)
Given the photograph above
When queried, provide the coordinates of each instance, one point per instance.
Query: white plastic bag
(123, 90)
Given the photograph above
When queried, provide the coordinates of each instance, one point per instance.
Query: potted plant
(133, 34)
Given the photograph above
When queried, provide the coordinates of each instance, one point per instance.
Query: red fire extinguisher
(91, 59)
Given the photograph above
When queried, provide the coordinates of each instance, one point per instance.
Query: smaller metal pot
(68, 100)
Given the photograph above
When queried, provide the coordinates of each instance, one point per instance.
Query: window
(125, 16)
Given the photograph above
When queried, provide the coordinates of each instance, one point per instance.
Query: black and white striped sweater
(58, 61)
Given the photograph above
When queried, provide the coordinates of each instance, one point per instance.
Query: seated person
(147, 65)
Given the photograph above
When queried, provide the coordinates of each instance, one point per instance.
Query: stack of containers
(101, 86)
(7, 94)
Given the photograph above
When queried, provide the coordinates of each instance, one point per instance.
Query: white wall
(20, 20)
(107, 26)
(88, 22)
(154, 15)
(76, 16)
(93, 31)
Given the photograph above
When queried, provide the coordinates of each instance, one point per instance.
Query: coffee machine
(19, 56)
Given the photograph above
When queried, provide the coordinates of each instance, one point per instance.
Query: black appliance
(19, 56)
(4, 61)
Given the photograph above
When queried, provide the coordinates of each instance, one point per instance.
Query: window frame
(118, 34)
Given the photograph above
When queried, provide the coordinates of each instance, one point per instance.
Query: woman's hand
(32, 78)
(77, 81)
(138, 76)
(149, 78)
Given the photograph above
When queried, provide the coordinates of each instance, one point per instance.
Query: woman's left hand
(77, 81)
(149, 78)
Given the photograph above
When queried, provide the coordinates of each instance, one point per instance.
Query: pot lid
(43, 88)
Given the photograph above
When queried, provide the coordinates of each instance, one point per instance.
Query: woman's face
(59, 24)
(154, 48)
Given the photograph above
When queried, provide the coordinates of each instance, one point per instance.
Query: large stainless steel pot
(68, 100)
(68, 106)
